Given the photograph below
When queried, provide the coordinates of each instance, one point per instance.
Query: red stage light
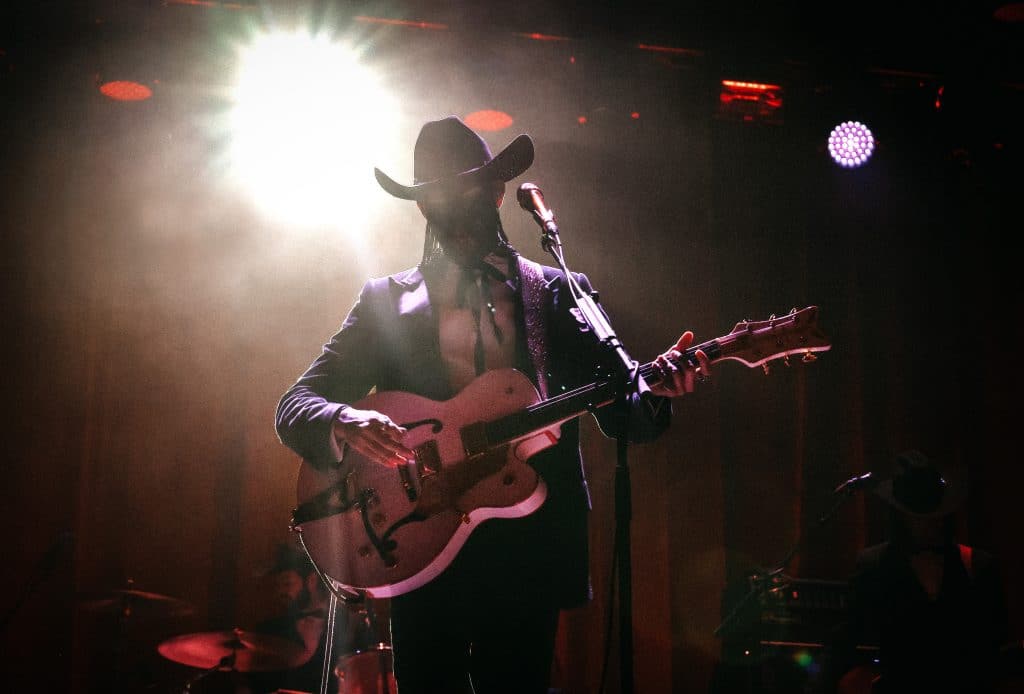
(401, 22)
(1010, 12)
(212, 3)
(670, 49)
(125, 91)
(489, 121)
(542, 37)
(750, 101)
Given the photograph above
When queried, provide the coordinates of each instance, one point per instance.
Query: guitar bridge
(428, 463)
(428, 460)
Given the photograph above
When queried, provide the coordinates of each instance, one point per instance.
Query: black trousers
(486, 625)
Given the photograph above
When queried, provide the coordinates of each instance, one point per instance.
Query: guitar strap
(535, 295)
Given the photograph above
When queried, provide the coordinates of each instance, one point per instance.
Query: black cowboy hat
(919, 487)
(448, 154)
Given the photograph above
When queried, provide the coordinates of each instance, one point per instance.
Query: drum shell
(367, 671)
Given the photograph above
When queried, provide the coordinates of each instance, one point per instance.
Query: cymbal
(136, 603)
(251, 651)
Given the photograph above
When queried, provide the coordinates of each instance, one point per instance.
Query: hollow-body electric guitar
(385, 530)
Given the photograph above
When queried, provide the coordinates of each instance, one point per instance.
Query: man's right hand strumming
(372, 435)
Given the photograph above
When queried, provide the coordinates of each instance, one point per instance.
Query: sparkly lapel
(536, 294)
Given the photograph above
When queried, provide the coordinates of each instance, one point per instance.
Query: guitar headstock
(757, 342)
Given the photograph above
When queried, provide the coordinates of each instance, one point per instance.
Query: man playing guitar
(472, 325)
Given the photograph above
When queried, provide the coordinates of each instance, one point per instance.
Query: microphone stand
(591, 313)
(226, 664)
(632, 382)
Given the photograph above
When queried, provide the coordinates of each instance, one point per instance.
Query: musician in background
(487, 623)
(934, 608)
(301, 602)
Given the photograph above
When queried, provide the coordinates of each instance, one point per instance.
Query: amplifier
(802, 610)
(781, 608)
(776, 635)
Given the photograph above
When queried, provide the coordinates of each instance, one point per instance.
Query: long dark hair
(432, 246)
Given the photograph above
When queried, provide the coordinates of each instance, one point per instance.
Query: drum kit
(367, 670)
(363, 666)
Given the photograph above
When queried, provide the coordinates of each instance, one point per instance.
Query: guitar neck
(751, 342)
(588, 398)
(712, 348)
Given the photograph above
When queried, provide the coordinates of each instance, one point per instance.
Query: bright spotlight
(308, 124)
(851, 144)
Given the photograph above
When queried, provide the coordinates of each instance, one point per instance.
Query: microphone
(532, 200)
(856, 483)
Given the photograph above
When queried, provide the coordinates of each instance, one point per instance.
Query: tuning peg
(767, 369)
(809, 357)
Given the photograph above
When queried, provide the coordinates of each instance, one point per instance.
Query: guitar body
(386, 530)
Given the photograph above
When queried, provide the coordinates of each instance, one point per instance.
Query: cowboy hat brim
(951, 500)
(510, 162)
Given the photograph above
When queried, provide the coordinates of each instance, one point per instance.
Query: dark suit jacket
(390, 341)
(950, 644)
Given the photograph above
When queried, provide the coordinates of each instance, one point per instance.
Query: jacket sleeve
(344, 372)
